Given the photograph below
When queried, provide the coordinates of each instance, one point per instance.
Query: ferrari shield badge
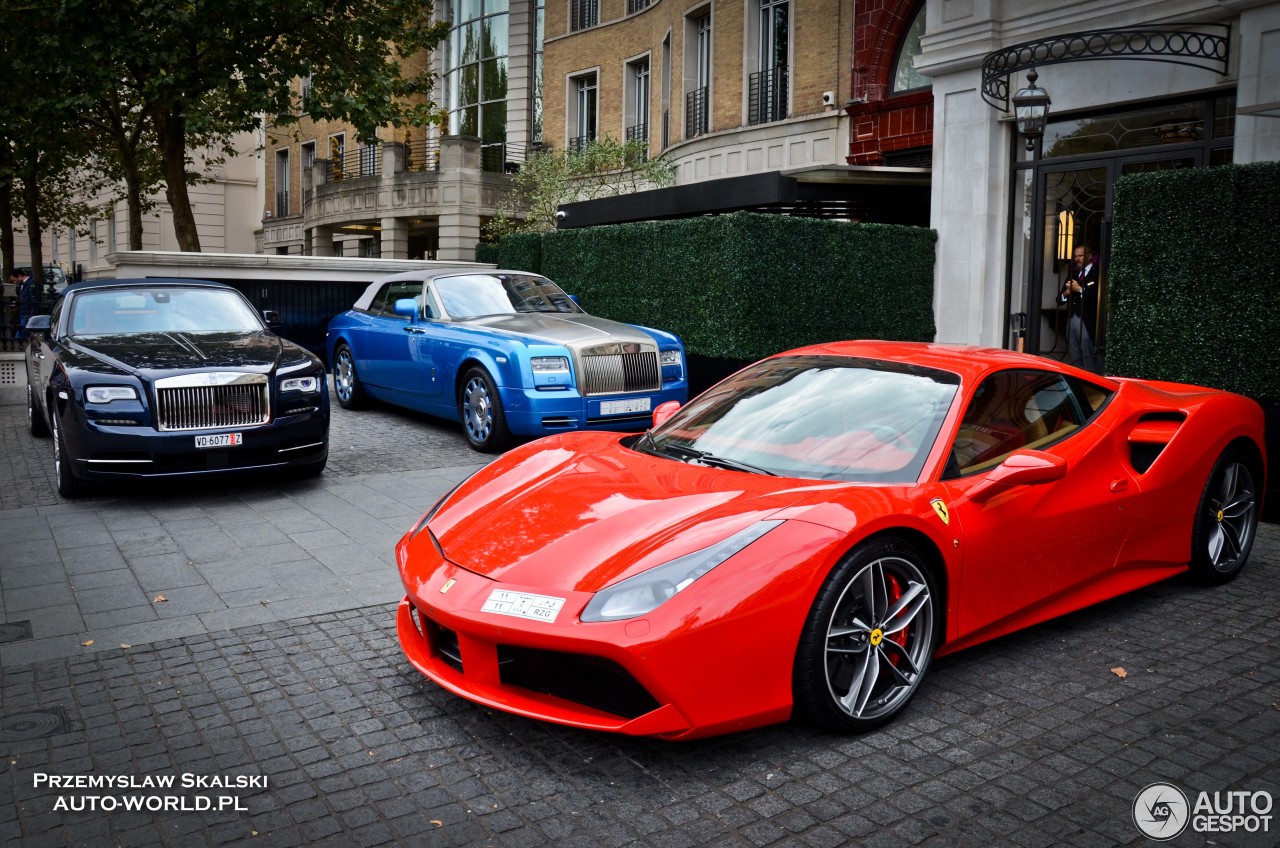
(448, 584)
(941, 508)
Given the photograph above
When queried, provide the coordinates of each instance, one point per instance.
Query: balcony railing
(583, 14)
(282, 204)
(423, 154)
(697, 113)
(576, 145)
(501, 157)
(767, 96)
(666, 128)
(362, 162)
(638, 132)
(634, 6)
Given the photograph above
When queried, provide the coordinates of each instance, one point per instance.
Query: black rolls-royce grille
(614, 373)
(244, 403)
(595, 682)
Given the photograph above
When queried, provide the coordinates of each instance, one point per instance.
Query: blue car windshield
(815, 417)
(126, 311)
(473, 295)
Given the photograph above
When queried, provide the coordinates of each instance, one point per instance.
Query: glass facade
(476, 69)
(905, 75)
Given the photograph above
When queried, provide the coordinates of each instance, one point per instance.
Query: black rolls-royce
(157, 377)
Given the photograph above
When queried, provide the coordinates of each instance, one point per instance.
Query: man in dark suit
(26, 291)
(1081, 292)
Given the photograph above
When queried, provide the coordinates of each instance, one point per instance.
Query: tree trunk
(171, 130)
(6, 226)
(31, 202)
(133, 192)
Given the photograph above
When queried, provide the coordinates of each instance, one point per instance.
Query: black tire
(315, 469)
(36, 424)
(480, 409)
(69, 485)
(852, 672)
(1226, 521)
(346, 381)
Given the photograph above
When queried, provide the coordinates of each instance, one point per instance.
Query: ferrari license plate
(523, 605)
(622, 407)
(221, 440)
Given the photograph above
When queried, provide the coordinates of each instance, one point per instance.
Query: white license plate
(221, 440)
(523, 605)
(621, 407)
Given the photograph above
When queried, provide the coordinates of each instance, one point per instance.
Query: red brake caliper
(895, 592)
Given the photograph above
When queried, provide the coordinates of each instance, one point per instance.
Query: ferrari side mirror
(665, 411)
(1021, 468)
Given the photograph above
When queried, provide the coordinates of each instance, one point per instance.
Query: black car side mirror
(272, 318)
(38, 324)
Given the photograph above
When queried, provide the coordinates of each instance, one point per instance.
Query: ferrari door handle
(1119, 485)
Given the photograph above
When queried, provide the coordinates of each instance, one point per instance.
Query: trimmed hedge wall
(1194, 279)
(521, 252)
(487, 252)
(746, 285)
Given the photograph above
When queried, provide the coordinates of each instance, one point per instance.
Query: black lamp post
(1031, 108)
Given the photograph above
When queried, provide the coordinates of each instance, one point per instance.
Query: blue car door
(389, 344)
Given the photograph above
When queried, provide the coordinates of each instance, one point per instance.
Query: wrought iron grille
(245, 403)
(639, 132)
(577, 143)
(282, 204)
(697, 112)
(583, 14)
(613, 373)
(767, 96)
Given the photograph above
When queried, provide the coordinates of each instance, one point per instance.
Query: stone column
(395, 238)
(459, 186)
(319, 241)
(394, 243)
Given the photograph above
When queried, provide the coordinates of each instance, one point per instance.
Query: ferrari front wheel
(1226, 520)
(868, 639)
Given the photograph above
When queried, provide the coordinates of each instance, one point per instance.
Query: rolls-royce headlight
(106, 394)
(669, 357)
(300, 384)
(645, 592)
(549, 364)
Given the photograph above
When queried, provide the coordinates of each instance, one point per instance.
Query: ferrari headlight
(309, 383)
(645, 592)
(548, 364)
(106, 394)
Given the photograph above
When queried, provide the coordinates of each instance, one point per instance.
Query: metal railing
(282, 204)
(666, 128)
(501, 157)
(634, 6)
(423, 154)
(361, 162)
(583, 14)
(767, 96)
(697, 112)
(576, 145)
(638, 132)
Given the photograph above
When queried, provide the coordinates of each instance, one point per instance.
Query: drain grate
(35, 724)
(15, 631)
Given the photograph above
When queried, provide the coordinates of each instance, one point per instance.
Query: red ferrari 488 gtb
(803, 538)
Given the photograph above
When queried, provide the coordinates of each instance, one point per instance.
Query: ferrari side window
(1014, 410)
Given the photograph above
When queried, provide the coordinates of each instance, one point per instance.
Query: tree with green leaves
(602, 168)
(200, 71)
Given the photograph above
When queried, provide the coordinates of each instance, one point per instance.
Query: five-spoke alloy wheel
(1226, 520)
(868, 639)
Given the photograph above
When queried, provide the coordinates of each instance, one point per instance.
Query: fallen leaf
(159, 599)
(1120, 672)
(437, 822)
(88, 643)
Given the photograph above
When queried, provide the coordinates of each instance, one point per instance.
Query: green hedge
(521, 252)
(487, 252)
(1194, 286)
(746, 285)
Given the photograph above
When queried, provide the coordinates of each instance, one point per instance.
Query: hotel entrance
(1062, 199)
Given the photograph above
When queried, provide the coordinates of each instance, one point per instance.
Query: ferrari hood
(580, 512)
(145, 353)
(565, 329)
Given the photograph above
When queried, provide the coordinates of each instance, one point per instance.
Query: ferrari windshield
(818, 417)
(473, 295)
(160, 309)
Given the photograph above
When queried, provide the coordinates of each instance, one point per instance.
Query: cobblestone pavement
(1033, 740)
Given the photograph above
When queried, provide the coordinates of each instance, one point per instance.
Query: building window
(93, 244)
(337, 154)
(634, 6)
(583, 14)
(111, 232)
(697, 105)
(476, 71)
(637, 100)
(905, 76)
(539, 28)
(666, 92)
(307, 160)
(304, 90)
(368, 160)
(282, 183)
(584, 90)
(767, 87)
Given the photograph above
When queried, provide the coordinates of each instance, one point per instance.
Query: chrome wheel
(346, 381)
(1226, 521)
(879, 638)
(477, 410)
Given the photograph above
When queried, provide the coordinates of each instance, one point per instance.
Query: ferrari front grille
(616, 373)
(592, 681)
(212, 401)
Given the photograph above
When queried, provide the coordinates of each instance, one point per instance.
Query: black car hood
(148, 353)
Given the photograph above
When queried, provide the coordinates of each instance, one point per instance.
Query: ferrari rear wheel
(482, 418)
(868, 640)
(69, 486)
(1226, 520)
(346, 382)
(36, 424)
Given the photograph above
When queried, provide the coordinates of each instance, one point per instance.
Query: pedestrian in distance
(1081, 294)
(25, 285)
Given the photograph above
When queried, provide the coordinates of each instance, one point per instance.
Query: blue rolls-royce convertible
(504, 352)
(156, 377)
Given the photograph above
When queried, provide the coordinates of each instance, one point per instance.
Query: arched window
(905, 76)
